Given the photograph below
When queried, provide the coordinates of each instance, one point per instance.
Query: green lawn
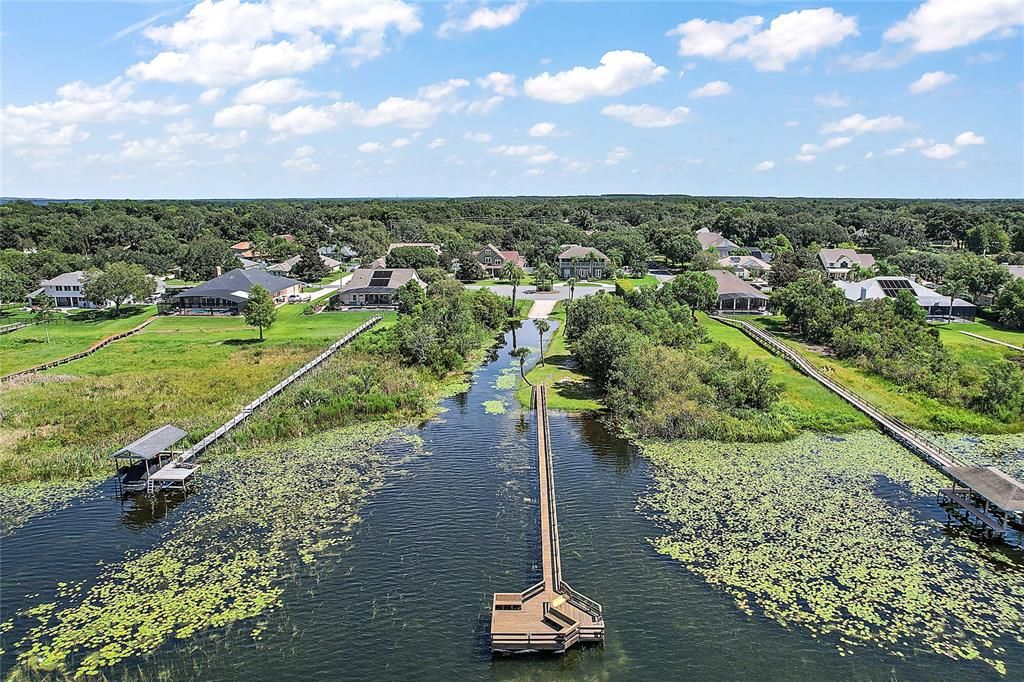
(194, 372)
(951, 332)
(28, 347)
(807, 403)
(913, 407)
(630, 283)
(568, 389)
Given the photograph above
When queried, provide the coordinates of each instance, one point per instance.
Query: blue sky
(298, 98)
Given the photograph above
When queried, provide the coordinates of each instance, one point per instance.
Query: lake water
(409, 596)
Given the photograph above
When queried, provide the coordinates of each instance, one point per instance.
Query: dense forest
(40, 240)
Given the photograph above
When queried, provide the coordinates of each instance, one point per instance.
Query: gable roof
(424, 245)
(731, 286)
(829, 256)
(234, 285)
(994, 484)
(154, 442)
(287, 265)
(379, 281)
(570, 251)
(748, 262)
(65, 279)
(505, 255)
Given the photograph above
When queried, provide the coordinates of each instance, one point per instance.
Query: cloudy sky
(301, 98)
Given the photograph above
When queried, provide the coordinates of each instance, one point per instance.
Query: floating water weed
(494, 406)
(819, 534)
(268, 510)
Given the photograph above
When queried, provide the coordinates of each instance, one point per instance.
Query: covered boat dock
(139, 460)
(989, 494)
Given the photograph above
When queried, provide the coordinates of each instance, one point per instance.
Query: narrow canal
(456, 519)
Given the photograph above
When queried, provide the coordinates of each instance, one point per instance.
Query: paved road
(541, 310)
(560, 293)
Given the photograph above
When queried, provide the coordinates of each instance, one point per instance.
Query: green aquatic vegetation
(507, 379)
(269, 512)
(1005, 451)
(494, 407)
(19, 503)
(821, 534)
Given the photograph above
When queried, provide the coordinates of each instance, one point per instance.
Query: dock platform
(549, 616)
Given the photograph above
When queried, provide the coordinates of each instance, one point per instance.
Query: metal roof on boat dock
(996, 486)
(153, 443)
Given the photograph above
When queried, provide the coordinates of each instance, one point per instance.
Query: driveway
(330, 288)
(560, 292)
(541, 310)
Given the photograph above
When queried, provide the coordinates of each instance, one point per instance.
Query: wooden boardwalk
(550, 615)
(998, 507)
(178, 471)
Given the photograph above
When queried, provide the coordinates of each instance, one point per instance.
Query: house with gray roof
(716, 241)
(228, 294)
(374, 287)
(736, 296)
(839, 263)
(285, 267)
(936, 306)
(582, 262)
(68, 291)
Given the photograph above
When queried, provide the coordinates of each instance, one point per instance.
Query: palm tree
(522, 353)
(572, 288)
(542, 327)
(952, 289)
(511, 272)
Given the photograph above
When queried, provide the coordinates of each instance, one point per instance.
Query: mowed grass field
(806, 403)
(194, 372)
(568, 389)
(952, 336)
(911, 406)
(28, 347)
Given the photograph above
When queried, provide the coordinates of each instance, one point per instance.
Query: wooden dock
(178, 471)
(549, 616)
(991, 496)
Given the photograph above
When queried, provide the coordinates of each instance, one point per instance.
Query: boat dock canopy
(996, 486)
(153, 443)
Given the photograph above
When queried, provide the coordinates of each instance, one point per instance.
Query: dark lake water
(409, 597)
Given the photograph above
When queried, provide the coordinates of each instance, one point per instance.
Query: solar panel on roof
(380, 278)
(892, 287)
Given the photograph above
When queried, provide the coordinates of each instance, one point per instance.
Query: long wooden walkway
(991, 495)
(177, 472)
(549, 616)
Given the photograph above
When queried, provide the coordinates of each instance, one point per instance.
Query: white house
(68, 290)
(936, 306)
(746, 267)
(838, 263)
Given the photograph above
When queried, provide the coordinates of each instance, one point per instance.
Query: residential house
(746, 267)
(493, 259)
(284, 268)
(68, 291)
(374, 287)
(343, 252)
(245, 250)
(736, 296)
(839, 263)
(713, 240)
(936, 306)
(424, 245)
(582, 262)
(228, 294)
(1016, 271)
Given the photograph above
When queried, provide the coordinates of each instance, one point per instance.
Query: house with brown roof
(736, 296)
(839, 263)
(582, 262)
(746, 267)
(374, 287)
(716, 241)
(493, 259)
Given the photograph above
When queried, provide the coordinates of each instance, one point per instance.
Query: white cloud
(482, 138)
(646, 115)
(869, 155)
(791, 124)
(789, 37)
(930, 81)
(805, 158)
(501, 83)
(984, 58)
(617, 155)
(172, 149)
(940, 151)
(518, 149)
(712, 89)
(764, 166)
(57, 122)
(370, 147)
(210, 96)
(304, 150)
(620, 71)
(543, 129)
(895, 151)
(484, 106)
(917, 143)
(546, 157)
(968, 137)
(944, 24)
(831, 143)
(483, 18)
(226, 42)
(859, 123)
(533, 172)
(833, 99)
(840, 168)
(239, 116)
(276, 91)
(304, 164)
(436, 142)
(400, 142)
